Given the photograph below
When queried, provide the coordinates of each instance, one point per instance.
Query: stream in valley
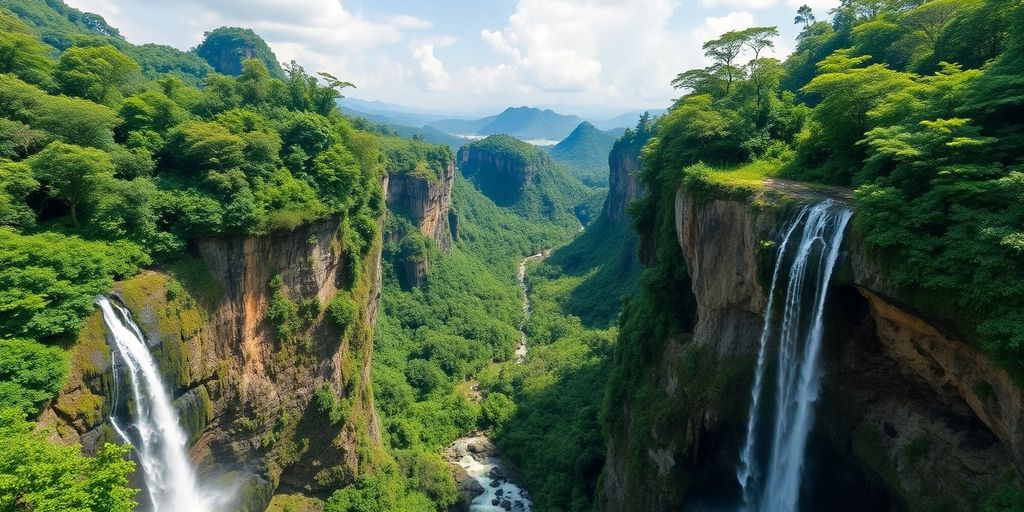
(480, 472)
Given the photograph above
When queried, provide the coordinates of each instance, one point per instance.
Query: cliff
(623, 187)
(426, 203)
(501, 167)
(910, 417)
(242, 385)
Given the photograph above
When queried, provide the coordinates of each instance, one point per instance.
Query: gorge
(796, 288)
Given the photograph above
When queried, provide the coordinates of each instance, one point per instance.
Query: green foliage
(94, 72)
(49, 280)
(71, 120)
(497, 409)
(37, 475)
(343, 310)
(415, 158)
(381, 492)
(586, 151)
(30, 373)
(16, 183)
(508, 148)
(329, 406)
(282, 312)
(23, 55)
(73, 174)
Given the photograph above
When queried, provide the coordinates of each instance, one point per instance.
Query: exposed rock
(909, 417)
(499, 177)
(427, 201)
(623, 186)
(242, 392)
(498, 473)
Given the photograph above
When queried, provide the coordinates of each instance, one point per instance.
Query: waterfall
(806, 258)
(155, 432)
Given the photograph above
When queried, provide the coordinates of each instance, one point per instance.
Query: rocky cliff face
(909, 418)
(427, 204)
(426, 201)
(623, 187)
(499, 177)
(242, 388)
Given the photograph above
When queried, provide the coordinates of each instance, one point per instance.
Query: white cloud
(603, 53)
(739, 4)
(714, 27)
(432, 68)
(820, 7)
(598, 50)
(409, 22)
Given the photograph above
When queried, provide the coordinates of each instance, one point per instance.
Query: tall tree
(805, 16)
(94, 72)
(759, 38)
(724, 52)
(72, 173)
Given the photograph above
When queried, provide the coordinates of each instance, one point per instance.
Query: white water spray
(155, 432)
(810, 248)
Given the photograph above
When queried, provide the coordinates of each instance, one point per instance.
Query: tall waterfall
(771, 473)
(155, 431)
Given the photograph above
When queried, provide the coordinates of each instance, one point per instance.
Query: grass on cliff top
(750, 174)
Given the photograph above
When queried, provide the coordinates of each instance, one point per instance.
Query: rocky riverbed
(483, 482)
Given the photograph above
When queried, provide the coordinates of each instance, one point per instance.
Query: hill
(520, 177)
(526, 123)
(586, 151)
(627, 120)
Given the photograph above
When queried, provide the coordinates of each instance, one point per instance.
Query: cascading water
(155, 432)
(806, 257)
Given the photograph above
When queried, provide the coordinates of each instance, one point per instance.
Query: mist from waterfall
(155, 432)
(771, 463)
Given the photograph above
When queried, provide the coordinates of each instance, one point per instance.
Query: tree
(848, 92)
(805, 16)
(724, 51)
(71, 120)
(37, 475)
(701, 81)
(18, 139)
(30, 373)
(94, 72)
(204, 146)
(72, 174)
(26, 57)
(759, 38)
(16, 183)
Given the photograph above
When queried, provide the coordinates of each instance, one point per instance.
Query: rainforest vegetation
(115, 157)
(915, 105)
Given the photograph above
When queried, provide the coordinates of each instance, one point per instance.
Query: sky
(476, 57)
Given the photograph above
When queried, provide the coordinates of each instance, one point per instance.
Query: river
(484, 483)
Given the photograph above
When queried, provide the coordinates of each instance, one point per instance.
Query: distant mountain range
(525, 123)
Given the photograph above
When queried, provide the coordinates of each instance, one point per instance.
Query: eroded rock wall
(243, 390)
(909, 417)
(426, 201)
(623, 186)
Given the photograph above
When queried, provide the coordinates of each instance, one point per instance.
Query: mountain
(462, 126)
(388, 113)
(586, 151)
(627, 120)
(526, 123)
